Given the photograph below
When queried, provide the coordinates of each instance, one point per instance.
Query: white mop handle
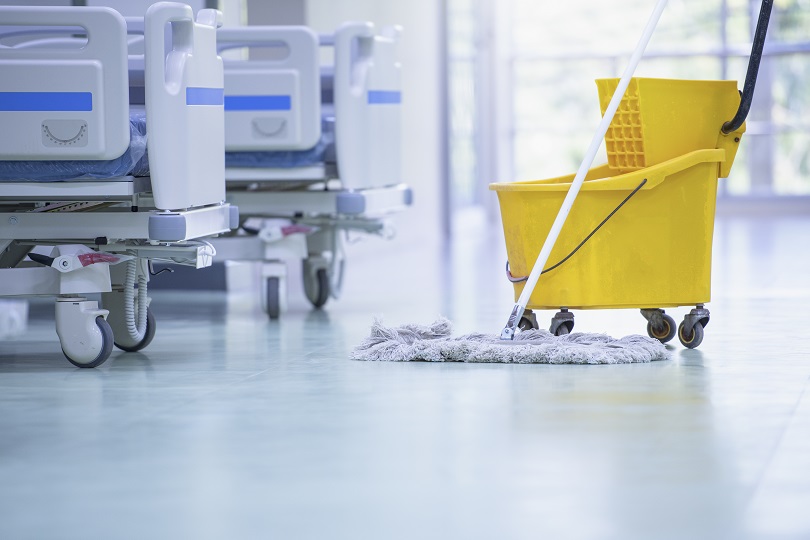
(573, 191)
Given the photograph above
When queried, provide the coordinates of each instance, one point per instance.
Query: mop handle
(508, 331)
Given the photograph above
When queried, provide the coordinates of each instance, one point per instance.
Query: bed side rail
(184, 107)
(367, 98)
(272, 104)
(61, 102)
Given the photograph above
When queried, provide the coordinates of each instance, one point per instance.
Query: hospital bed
(315, 145)
(82, 184)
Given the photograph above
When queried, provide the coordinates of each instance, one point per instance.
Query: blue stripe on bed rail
(197, 95)
(258, 103)
(46, 101)
(384, 97)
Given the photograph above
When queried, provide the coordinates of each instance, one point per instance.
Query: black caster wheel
(148, 336)
(526, 324)
(562, 323)
(665, 333)
(528, 321)
(316, 287)
(562, 330)
(272, 297)
(694, 339)
(106, 347)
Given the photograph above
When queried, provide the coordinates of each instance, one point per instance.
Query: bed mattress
(133, 162)
(323, 152)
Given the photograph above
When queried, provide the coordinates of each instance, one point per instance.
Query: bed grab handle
(172, 65)
(351, 62)
(297, 40)
(169, 68)
(103, 26)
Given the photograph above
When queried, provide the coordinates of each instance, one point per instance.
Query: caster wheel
(526, 324)
(148, 335)
(665, 333)
(528, 321)
(562, 330)
(316, 287)
(106, 347)
(273, 298)
(693, 340)
(562, 323)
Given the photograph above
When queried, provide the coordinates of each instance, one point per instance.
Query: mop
(434, 343)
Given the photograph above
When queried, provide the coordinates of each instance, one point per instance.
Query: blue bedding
(323, 152)
(133, 162)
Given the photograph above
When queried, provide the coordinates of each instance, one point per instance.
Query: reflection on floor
(232, 426)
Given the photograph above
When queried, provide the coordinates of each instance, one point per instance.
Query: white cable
(517, 311)
(212, 249)
(210, 245)
(211, 252)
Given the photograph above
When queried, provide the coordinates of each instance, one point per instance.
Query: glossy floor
(231, 426)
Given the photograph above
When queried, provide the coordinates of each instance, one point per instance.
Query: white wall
(420, 54)
(276, 12)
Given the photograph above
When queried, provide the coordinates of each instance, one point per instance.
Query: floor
(232, 426)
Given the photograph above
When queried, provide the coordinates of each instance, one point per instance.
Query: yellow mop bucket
(665, 153)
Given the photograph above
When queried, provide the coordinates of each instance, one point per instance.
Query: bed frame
(70, 102)
(276, 105)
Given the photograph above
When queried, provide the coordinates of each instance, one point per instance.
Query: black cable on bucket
(753, 69)
(513, 279)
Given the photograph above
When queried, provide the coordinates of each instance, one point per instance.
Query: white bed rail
(60, 102)
(272, 104)
(184, 107)
(368, 96)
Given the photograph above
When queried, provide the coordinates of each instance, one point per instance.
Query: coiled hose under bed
(136, 322)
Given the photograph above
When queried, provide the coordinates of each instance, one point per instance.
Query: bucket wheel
(562, 323)
(528, 321)
(691, 330)
(660, 326)
(690, 339)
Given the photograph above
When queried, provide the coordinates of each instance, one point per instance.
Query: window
(554, 50)
(462, 114)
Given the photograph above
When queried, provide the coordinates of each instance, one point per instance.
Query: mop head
(434, 344)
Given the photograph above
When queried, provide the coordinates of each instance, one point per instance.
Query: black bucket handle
(753, 69)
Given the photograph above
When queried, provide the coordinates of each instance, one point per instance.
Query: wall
(276, 12)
